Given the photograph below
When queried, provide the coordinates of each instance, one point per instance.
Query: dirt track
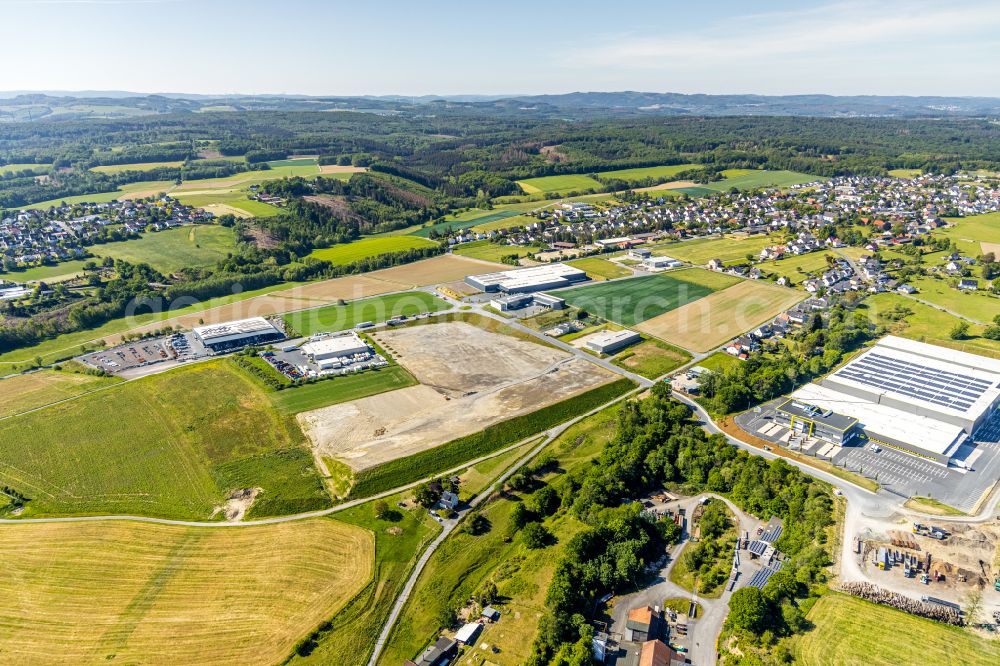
(470, 378)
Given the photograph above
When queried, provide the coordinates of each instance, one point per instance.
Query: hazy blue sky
(444, 47)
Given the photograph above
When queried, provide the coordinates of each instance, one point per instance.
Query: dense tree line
(657, 445)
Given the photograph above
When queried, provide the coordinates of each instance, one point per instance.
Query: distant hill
(54, 105)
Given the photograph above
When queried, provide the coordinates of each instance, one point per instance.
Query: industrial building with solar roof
(921, 398)
(236, 334)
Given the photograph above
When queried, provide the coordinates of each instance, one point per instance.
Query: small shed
(468, 633)
(491, 614)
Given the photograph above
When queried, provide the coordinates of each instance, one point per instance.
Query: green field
(341, 389)
(508, 221)
(749, 179)
(376, 309)
(927, 324)
(852, 632)
(169, 445)
(60, 271)
(488, 251)
(632, 301)
(904, 173)
(651, 358)
(642, 173)
(369, 247)
(171, 250)
(142, 166)
(12, 168)
(979, 306)
(474, 217)
(730, 249)
(719, 362)
(220, 202)
(36, 389)
(600, 269)
(974, 230)
(559, 184)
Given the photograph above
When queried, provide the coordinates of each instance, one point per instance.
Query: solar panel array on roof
(948, 389)
(760, 578)
(757, 547)
(771, 535)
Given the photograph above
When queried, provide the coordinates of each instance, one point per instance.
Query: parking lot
(292, 362)
(133, 359)
(899, 472)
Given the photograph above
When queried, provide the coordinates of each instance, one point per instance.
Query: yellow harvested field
(347, 288)
(709, 322)
(672, 185)
(129, 593)
(226, 209)
(443, 268)
(336, 168)
(991, 247)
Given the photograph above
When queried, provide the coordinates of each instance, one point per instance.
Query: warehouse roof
(611, 337)
(927, 376)
(242, 327)
(340, 344)
(924, 432)
(520, 277)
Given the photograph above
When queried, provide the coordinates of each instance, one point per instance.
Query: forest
(479, 156)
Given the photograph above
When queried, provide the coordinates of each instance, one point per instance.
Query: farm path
(946, 310)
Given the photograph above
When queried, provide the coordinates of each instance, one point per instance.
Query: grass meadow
(170, 445)
(730, 249)
(14, 168)
(600, 269)
(341, 389)
(651, 358)
(370, 247)
(559, 184)
(30, 391)
(642, 173)
(927, 324)
(168, 251)
(488, 251)
(61, 271)
(852, 632)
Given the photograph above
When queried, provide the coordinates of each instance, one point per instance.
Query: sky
(443, 47)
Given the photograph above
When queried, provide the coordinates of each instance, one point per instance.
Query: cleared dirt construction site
(709, 322)
(470, 378)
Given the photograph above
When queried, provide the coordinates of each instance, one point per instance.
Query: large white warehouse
(527, 280)
(911, 395)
